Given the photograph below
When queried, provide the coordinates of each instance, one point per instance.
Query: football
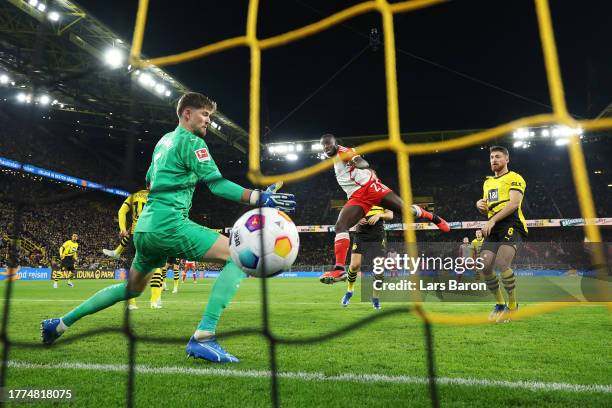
(272, 228)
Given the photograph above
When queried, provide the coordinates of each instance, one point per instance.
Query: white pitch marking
(314, 376)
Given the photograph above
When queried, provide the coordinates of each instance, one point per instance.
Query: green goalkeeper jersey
(181, 160)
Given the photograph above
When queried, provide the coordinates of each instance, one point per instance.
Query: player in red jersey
(363, 189)
(190, 266)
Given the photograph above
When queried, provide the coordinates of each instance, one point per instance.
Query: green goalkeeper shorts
(187, 241)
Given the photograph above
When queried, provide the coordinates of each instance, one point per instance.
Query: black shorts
(504, 234)
(372, 244)
(68, 263)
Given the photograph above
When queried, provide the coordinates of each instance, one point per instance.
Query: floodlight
(53, 16)
(44, 99)
(113, 57)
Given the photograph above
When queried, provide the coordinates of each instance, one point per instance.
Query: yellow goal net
(559, 116)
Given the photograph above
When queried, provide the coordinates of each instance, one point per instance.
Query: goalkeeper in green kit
(181, 159)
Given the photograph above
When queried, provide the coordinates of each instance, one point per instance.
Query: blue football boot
(48, 331)
(209, 350)
(376, 303)
(346, 299)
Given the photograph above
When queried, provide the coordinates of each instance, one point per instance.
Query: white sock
(203, 334)
(417, 211)
(61, 327)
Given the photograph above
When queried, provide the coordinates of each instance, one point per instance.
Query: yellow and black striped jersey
(134, 204)
(476, 246)
(69, 249)
(496, 191)
(378, 228)
(374, 210)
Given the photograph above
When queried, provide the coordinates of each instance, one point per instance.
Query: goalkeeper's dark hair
(499, 149)
(195, 100)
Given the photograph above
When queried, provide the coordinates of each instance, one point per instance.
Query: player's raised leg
(149, 256)
(395, 203)
(51, 329)
(349, 216)
(203, 344)
(116, 253)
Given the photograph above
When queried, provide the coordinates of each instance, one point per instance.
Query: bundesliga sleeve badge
(202, 154)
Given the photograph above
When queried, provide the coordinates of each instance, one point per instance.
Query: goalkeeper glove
(273, 188)
(270, 198)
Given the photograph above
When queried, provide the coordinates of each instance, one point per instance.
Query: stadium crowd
(50, 214)
(52, 211)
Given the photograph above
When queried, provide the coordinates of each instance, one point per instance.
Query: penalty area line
(314, 376)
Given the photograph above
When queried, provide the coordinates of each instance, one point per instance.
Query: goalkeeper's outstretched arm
(269, 198)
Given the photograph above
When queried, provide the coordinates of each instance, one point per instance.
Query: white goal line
(314, 376)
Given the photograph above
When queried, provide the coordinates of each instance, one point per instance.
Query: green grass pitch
(562, 359)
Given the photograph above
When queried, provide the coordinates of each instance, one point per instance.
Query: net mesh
(403, 150)
(559, 115)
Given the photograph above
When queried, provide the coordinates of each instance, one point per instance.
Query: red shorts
(189, 265)
(369, 195)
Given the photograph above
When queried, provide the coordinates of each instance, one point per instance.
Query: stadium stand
(93, 214)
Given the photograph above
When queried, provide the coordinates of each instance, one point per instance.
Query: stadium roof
(60, 52)
(606, 113)
(64, 59)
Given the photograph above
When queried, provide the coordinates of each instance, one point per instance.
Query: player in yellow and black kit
(476, 249)
(505, 229)
(158, 282)
(68, 255)
(173, 265)
(134, 204)
(369, 240)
